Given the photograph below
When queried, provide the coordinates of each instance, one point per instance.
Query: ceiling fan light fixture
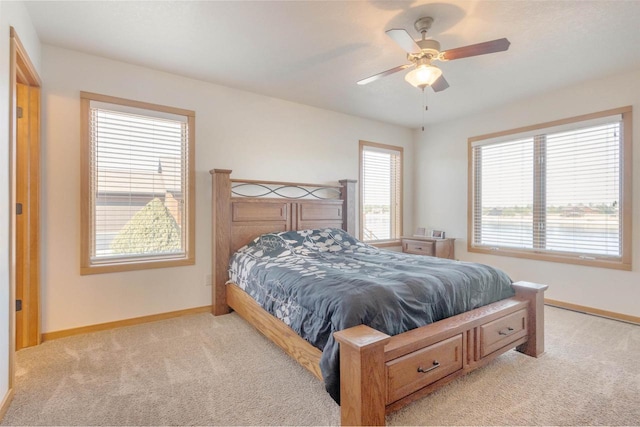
(424, 75)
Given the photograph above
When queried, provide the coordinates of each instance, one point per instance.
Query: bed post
(221, 234)
(534, 293)
(348, 194)
(363, 385)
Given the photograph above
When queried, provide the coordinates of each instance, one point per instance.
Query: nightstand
(441, 248)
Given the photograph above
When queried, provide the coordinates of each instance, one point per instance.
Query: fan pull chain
(424, 107)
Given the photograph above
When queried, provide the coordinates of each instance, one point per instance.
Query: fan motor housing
(428, 48)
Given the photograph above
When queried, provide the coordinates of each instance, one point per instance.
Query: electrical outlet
(207, 280)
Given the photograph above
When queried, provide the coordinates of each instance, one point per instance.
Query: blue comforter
(321, 281)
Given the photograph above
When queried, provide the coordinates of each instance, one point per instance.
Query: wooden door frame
(27, 225)
(23, 71)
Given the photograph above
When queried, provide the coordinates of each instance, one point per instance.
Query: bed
(378, 372)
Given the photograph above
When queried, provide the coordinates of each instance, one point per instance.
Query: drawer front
(501, 332)
(419, 248)
(415, 370)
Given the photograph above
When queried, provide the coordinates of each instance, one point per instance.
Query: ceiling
(313, 52)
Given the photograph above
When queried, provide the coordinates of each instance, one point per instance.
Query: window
(380, 192)
(137, 185)
(559, 191)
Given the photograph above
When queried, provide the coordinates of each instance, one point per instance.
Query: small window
(555, 192)
(138, 189)
(380, 192)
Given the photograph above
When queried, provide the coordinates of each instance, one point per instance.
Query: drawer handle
(418, 249)
(506, 331)
(436, 364)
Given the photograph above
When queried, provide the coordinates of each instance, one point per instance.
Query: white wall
(257, 137)
(441, 189)
(11, 14)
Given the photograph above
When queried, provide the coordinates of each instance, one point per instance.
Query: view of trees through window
(138, 184)
(137, 187)
(153, 229)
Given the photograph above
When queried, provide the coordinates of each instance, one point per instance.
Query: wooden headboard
(237, 219)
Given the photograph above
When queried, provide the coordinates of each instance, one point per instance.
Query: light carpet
(205, 370)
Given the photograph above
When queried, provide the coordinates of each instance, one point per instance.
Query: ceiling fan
(420, 54)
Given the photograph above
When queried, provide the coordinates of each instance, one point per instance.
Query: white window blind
(555, 191)
(139, 180)
(583, 191)
(381, 178)
(504, 194)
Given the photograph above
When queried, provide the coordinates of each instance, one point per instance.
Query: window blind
(554, 192)
(139, 180)
(382, 188)
(504, 194)
(583, 191)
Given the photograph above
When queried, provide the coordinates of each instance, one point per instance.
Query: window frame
(626, 161)
(86, 230)
(395, 240)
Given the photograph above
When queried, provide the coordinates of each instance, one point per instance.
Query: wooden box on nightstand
(441, 248)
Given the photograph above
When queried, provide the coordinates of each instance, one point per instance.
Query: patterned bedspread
(322, 281)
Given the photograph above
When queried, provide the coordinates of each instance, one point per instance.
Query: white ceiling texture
(313, 52)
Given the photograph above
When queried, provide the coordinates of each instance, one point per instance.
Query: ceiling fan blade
(383, 74)
(404, 40)
(498, 45)
(440, 84)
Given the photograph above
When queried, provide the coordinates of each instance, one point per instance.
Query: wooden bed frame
(379, 374)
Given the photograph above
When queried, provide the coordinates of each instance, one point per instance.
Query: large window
(558, 191)
(137, 185)
(380, 192)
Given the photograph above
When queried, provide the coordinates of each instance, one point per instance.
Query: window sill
(134, 265)
(564, 259)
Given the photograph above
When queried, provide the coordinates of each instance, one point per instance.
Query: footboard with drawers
(380, 374)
